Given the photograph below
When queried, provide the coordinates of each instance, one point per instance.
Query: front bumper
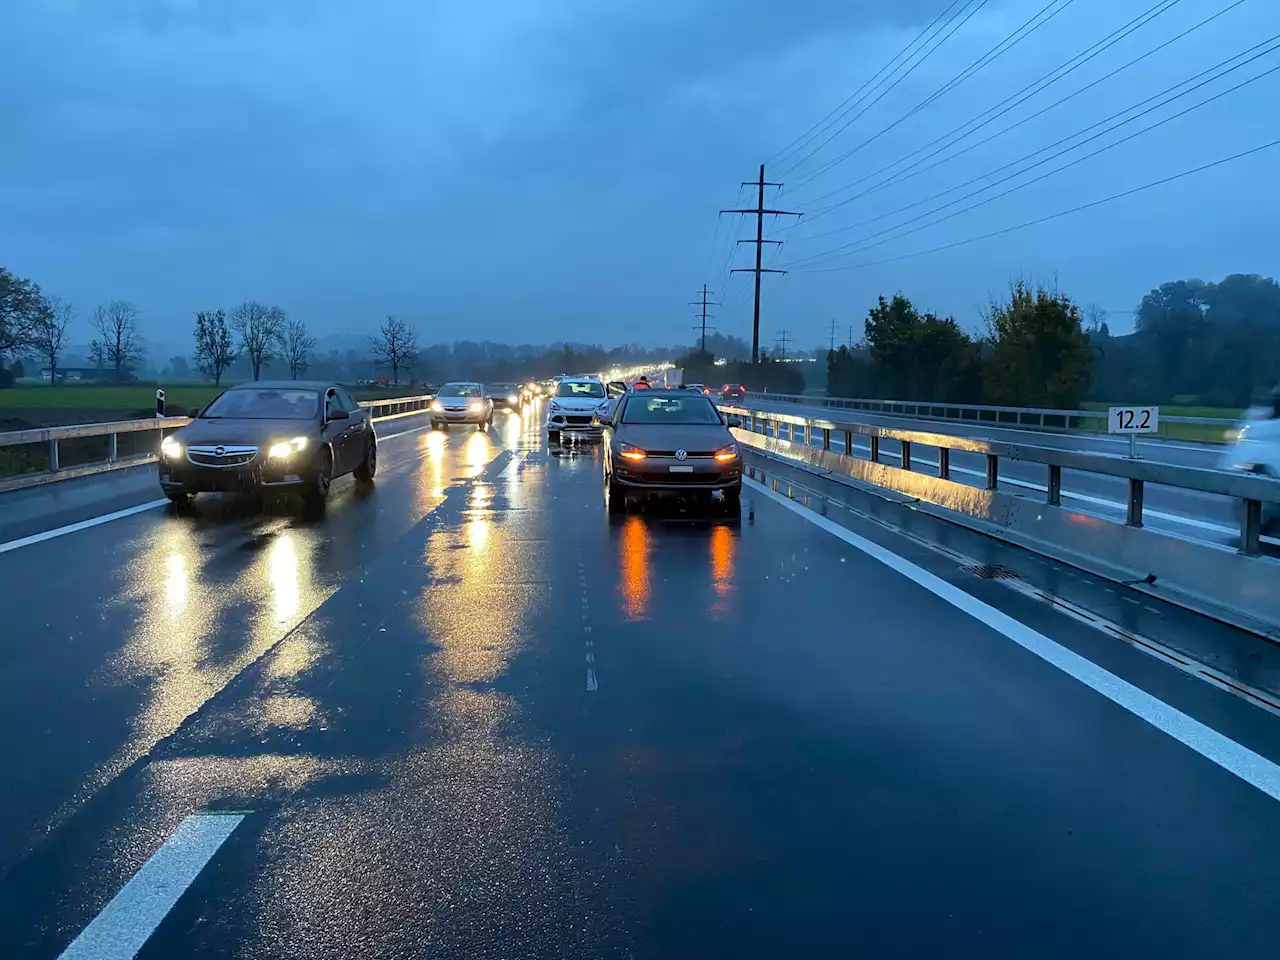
(182, 476)
(575, 424)
(669, 475)
(462, 416)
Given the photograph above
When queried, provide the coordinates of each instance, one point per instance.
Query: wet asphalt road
(467, 716)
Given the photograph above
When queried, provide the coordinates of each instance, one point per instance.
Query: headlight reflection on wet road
(633, 545)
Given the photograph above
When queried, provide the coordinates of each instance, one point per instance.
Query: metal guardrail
(383, 409)
(1252, 490)
(1094, 421)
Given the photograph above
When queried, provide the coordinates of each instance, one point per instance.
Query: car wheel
(313, 500)
(553, 436)
(182, 502)
(616, 498)
(369, 466)
(733, 501)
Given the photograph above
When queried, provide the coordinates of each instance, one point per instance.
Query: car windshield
(660, 408)
(460, 390)
(503, 388)
(593, 389)
(264, 403)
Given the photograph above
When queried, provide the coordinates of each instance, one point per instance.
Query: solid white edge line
(127, 512)
(1252, 768)
(125, 924)
(81, 525)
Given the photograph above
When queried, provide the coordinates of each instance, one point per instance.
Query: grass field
(102, 397)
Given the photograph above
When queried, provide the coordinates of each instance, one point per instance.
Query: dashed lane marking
(513, 468)
(1252, 768)
(123, 926)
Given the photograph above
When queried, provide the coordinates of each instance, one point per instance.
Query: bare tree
(396, 346)
(297, 347)
(21, 306)
(50, 334)
(214, 350)
(118, 344)
(261, 328)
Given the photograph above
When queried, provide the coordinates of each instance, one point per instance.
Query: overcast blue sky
(532, 170)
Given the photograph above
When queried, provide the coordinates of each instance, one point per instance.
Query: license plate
(681, 469)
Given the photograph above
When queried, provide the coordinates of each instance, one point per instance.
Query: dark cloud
(545, 169)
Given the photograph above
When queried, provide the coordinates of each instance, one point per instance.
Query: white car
(573, 408)
(1256, 449)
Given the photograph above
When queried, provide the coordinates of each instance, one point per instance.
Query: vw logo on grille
(219, 451)
(680, 454)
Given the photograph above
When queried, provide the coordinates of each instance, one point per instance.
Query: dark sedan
(256, 438)
(669, 442)
(505, 396)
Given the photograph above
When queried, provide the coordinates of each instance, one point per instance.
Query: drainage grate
(990, 571)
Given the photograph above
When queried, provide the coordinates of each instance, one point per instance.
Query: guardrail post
(875, 448)
(993, 471)
(1251, 527)
(53, 456)
(944, 463)
(848, 443)
(111, 447)
(906, 454)
(1055, 485)
(1133, 515)
(826, 438)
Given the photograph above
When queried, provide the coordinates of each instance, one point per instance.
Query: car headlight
(287, 448)
(727, 453)
(555, 406)
(513, 399)
(171, 448)
(437, 406)
(630, 451)
(476, 406)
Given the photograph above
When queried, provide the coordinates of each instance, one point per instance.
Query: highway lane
(1187, 513)
(469, 716)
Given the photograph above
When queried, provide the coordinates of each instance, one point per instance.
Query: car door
(337, 432)
(358, 427)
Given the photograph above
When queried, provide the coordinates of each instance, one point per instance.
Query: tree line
(1035, 353)
(1195, 342)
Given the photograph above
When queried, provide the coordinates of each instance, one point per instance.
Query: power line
(1055, 216)
(704, 303)
(883, 93)
(1008, 43)
(759, 241)
(848, 248)
(825, 123)
(915, 169)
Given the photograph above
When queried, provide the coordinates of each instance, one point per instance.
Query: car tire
(553, 436)
(182, 502)
(732, 501)
(315, 498)
(616, 498)
(369, 465)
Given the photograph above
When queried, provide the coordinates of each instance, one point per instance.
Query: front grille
(580, 421)
(689, 454)
(208, 456)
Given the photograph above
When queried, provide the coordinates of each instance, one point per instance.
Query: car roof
(579, 380)
(462, 383)
(284, 385)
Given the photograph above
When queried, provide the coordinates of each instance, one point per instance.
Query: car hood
(579, 404)
(675, 436)
(254, 432)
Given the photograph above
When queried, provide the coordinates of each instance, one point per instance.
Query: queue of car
(296, 437)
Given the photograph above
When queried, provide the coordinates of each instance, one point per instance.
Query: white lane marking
(121, 514)
(123, 926)
(591, 680)
(1253, 769)
(81, 525)
(512, 468)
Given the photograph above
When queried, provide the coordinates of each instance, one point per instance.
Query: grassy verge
(1189, 431)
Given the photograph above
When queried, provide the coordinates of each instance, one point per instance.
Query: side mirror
(338, 415)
